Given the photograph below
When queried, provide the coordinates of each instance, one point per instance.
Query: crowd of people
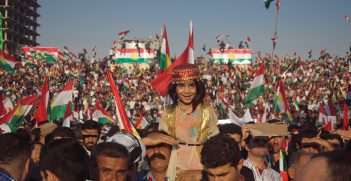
(183, 140)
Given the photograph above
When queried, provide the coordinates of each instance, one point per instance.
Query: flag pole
(275, 37)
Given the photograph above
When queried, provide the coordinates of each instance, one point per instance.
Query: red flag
(42, 111)
(2, 107)
(331, 107)
(162, 81)
(346, 111)
(122, 118)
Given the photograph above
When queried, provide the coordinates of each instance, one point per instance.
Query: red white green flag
(61, 100)
(256, 88)
(165, 60)
(234, 56)
(15, 117)
(279, 103)
(7, 62)
(101, 115)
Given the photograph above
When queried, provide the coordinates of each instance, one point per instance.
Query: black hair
(14, 149)
(220, 150)
(66, 158)
(230, 128)
(199, 97)
(108, 149)
(306, 134)
(63, 132)
(338, 163)
(90, 124)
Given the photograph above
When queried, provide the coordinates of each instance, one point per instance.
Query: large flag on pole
(42, 111)
(191, 44)
(122, 118)
(165, 60)
(161, 82)
(256, 88)
(14, 118)
(61, 100)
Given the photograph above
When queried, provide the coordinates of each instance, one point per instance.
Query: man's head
(275, 143)
(296, 162)
(327, 166)
(232, 130)
(158, 156)
(14, 155)
(313, 148)
(64, 159)
(335, 140)
(62, 132)
(220, 157)
(257, 146)
(90, 133)
(109, 161)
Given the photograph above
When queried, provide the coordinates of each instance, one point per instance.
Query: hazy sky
(302, 24)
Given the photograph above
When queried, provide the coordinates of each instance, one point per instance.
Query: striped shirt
(266, 174)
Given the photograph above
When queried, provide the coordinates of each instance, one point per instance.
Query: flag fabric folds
(191, 44)
(41, 113)
(15, 117)
(165, 60)
(7, 62)
(162, 81)
(60, 102)
(256, 88)
(101, 115)
(122, 118)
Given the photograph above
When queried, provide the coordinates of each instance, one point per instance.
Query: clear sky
(302, 24)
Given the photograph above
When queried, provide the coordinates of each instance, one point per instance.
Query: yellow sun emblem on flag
(134, 55)
(231, 56)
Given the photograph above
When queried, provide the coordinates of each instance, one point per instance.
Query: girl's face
(186, 92)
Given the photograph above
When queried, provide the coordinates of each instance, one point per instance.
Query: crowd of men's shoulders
(92, 151)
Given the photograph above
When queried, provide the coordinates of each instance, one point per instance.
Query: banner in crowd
(234, 56)
(132, 52)
(48, 54)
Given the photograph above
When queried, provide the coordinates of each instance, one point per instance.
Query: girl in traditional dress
(190, 119)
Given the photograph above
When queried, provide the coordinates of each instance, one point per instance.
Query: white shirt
(267, 174)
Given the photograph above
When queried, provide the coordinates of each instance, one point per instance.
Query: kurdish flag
(14, 118)
(69, 54)
(131, 55)
(61, 100)
(122, 118)
(279, 103)
(7, 62)
(165, 60)
(102, 116)
(257, 87)
(235, 56)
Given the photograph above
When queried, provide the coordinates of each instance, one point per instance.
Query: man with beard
(157, 156)
(257, 148)
(276, 153)
(90, 133)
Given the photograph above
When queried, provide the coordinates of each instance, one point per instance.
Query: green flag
(267, 3)
(1, 40)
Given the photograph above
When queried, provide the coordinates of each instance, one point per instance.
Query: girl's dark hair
(199, 97)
